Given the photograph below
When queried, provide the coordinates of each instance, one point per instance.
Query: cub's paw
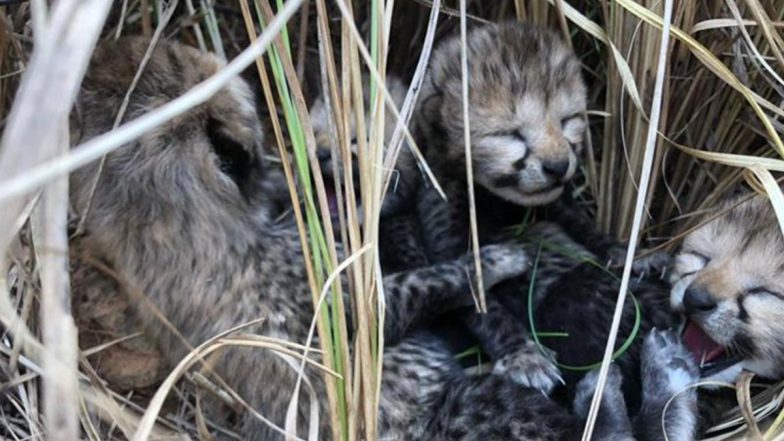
(655, 264)
(501, 262)
(529, 367)
(667, 366)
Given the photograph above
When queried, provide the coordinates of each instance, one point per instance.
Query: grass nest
(719, 127)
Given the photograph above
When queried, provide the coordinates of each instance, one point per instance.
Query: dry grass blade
(650, 144)
(96, 349)
(61, 397)
(758, 57)
(773, 190)
(743, 392)
(775, 427)
(775, 42)
(413, 91)
(291, 422)
(584, 23)
(717, 67)
(198, 354)
(37, 129)
(720, 23)
(474, 231)
(734, 160)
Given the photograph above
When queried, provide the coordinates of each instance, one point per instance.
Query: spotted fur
(492, 407)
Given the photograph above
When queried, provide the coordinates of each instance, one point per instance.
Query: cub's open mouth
(711, 357)
(332, 197)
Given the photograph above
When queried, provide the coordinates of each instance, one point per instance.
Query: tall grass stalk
(322, 250)
(647, 167)
(67, 38)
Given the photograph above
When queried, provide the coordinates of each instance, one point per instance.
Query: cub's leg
(503, 333)
(505, 339)
(415, 296)
(668, 371)
(444, 223)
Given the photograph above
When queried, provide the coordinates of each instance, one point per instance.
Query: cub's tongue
(704, 349)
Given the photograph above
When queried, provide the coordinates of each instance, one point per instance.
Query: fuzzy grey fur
(668, 375)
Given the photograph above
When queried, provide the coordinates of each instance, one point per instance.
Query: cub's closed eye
(761, 290)
(705, 259)
(570, 118)
(690, 262)
(512, 134)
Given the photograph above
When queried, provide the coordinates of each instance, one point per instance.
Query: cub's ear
(240, 162)
(430, 100)
(234, 160)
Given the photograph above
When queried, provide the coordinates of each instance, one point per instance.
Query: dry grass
(720, 123)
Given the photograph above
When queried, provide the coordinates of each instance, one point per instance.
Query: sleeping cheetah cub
(526, 106)
(728, 280)
(180, 216)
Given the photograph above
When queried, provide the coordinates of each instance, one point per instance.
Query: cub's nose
(697, 299)
(555, 169)
(323, 154)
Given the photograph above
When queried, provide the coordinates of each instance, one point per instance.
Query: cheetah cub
(527, 100)
(181, 216)
(405, 173)
(526, 107)
(400, 243)
(728, 280)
